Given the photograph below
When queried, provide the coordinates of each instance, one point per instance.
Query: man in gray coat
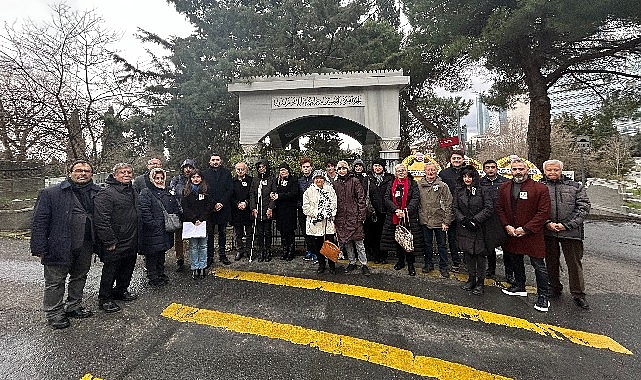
(61, 235)
(570, 206)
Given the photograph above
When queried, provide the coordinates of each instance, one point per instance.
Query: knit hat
(378, 161)
(284, 165)
(318, 173)
(358, 161)
(188, 162)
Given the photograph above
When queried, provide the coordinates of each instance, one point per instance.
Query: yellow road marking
(377, 353)
(89, 376)
(575, 336)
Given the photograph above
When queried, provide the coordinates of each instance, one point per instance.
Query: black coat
(219, 182)
(475, 205)
(493, 230)
(263, 202)
(116, 220)
(154, 238)
(240, 193)
(376, 192)
(286, 212)
(388, 242)
(196, 208)
(51, 229)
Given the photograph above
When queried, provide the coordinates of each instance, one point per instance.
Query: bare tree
(59, 79)
(511, 140)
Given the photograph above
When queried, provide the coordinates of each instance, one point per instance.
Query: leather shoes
(582, 303)
(79, 313)
(125, 296)
(59, 322)
(410, 270)
(109, 306)
(399, 266)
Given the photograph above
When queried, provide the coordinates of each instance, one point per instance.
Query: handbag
(172, 221)
(329, 249)
(403, 235)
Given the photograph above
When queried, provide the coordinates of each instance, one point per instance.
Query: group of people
(349, 206)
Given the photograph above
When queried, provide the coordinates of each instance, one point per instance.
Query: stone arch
(364, 104)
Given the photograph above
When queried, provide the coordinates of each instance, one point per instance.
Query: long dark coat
(350, 215)
(240, 193)
(530, 213)
(388, 242)
(51, 229)
(286, 212)
(493, 230)
(116, 220)
(219, 183)
(154, 238)
(473, 204)
(376, 192)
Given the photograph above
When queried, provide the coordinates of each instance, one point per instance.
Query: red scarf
(406, 187)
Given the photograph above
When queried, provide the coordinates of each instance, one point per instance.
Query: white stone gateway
(363, 105)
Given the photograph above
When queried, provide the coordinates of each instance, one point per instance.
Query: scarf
(379, 178)
(82, 192)
(405, 183)
(195, 188)
(324, 204)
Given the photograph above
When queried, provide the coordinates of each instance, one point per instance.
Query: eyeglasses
(341, 168)
(82, 170)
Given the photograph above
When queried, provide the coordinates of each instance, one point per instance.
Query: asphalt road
(280, 320)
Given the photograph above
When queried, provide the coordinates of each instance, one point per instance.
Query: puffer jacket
(570, 206)
(154, 238)
(435, 207)
(473, 204)
(116, 220)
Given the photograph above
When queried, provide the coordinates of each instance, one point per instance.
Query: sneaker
(350, 268)
(515, 291)
(365, 270)
(314, 259)
(308, 256)
(542, 304)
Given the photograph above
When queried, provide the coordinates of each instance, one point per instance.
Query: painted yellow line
(377, 353)
(89, 376)
(575, 336)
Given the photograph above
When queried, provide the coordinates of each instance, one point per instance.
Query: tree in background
(531, 46)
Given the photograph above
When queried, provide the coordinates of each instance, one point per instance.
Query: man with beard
(61, 235)
(241, 213)
(219, 183)
(524, 207)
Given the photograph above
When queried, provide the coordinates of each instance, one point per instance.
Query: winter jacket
(219, 183)
(315, 225)
(142, 182)
(388, 242)
(303, 184)
(196, 207)
(376, 192)
(452, 177)
(530, 210)
(569, 206)
(116, 220)
(493, 230)
(53, 223)
(262, 186)
(435, 208)
(154, 238)
(351, 212)
(472, 208)
(286, 211)
(240, 193)
(178, 182)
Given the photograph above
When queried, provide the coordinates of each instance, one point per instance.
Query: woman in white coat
(319, 205)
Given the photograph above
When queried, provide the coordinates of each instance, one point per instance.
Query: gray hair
(398, 166)
(553, 162)
(121, 165)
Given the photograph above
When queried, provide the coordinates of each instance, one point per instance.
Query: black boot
(239, 254)
(194, 274)
(471, 282)
(479, 289)
(261, 254)
(268, 255)
(321, 268)
(285, 251)
(290, 254)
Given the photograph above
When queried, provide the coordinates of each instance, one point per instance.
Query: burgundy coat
(530, 213)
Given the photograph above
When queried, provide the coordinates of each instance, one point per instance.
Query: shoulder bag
(172, 221)
(403, 235)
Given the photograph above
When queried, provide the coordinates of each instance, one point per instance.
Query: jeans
(428, 236)
(55, 278)
(540, 272)
(360, 249)
(198, 252)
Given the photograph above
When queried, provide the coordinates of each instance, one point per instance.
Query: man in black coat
(61, 235)
(451, 176)
(241, 218)
(117, 230)
(219, 183)
(494, 234)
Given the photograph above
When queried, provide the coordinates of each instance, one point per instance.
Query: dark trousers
(56, 277)
(476, 266)
(540, 272)
(179, 245)
(508, 261)
(317, 243)
(241, 232)
(451, 240)
(373, 233)
(404, 256)
(222, 239)
(287, 239)
(302, 220)
(118, 273)
(155, 264)
(264, 234)
(573, 253)
(441, 236)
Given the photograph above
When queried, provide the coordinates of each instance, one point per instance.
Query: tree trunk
(539, 125)
(76, 149)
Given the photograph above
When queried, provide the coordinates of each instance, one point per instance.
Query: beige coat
(311, 199)
(436, 203)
